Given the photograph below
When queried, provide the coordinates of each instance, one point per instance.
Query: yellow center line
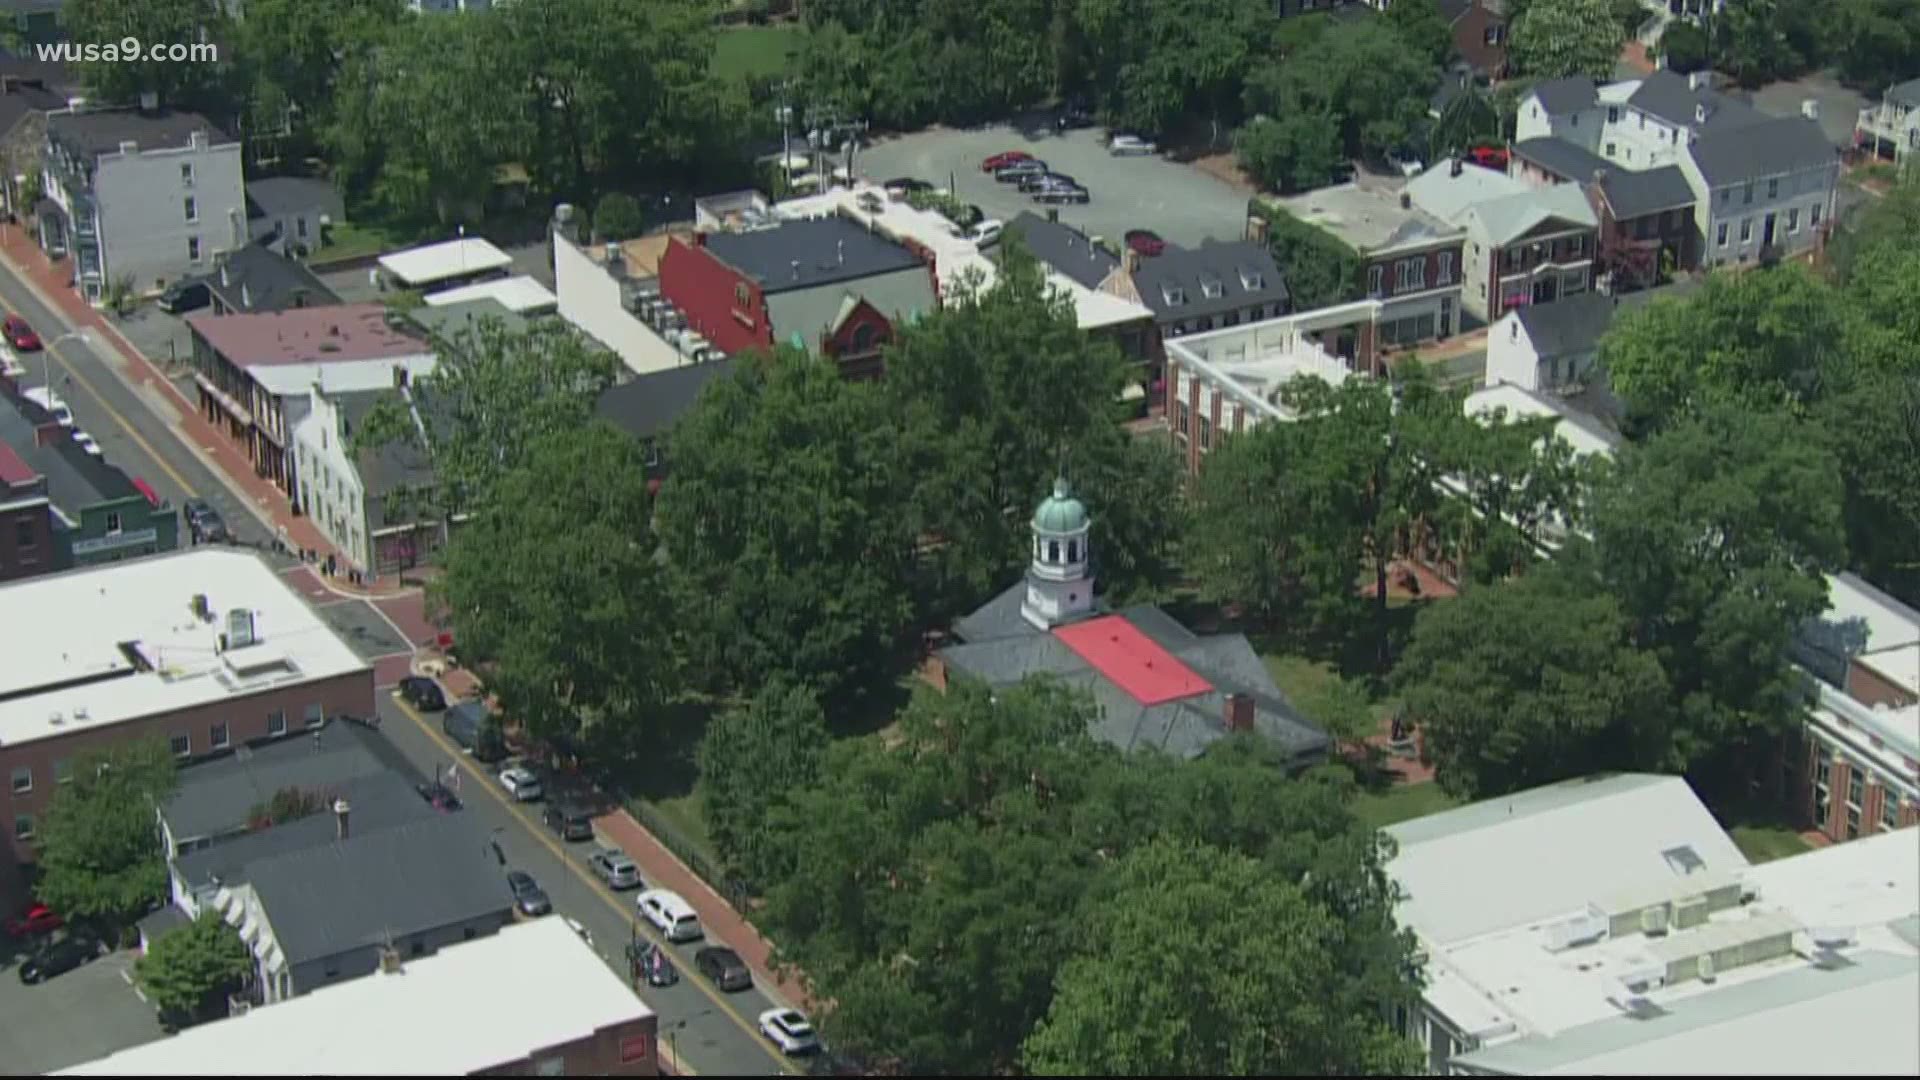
(125, 426)
(593, 884)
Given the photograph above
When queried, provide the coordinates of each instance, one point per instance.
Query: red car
(19, 334)
(1004, 159)
(1489, 157)
(38, 919)
(1145, 242)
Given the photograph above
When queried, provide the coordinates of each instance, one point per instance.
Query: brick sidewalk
(48, 280)
(662, 869)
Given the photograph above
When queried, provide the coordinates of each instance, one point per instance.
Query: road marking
(139, 440)
(492, 787)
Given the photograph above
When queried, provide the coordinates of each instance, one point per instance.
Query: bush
(1320, 270)
(617, 217)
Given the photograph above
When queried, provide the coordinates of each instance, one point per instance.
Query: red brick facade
(1869, 687)
(629, 1049)
(721, 304)
(1874, 794)
(26, 540)
(858, 341)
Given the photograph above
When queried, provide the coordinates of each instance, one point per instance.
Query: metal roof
(810, 252)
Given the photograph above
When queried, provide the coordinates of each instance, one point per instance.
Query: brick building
(1645, 216)
(207, 649)
(1525, 244)
(1411, 261)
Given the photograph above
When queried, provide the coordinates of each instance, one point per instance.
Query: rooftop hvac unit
(1653, 920)
(1705, 967)
(1831, 937)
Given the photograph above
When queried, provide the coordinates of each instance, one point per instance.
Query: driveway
(87, 1013)
(1182, 204)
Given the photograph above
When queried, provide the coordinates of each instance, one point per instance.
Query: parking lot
(87, 1013)
(1182, 204)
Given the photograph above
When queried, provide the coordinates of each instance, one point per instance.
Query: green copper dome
(1062, 513)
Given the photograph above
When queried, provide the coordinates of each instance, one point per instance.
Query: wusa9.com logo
(128, 49)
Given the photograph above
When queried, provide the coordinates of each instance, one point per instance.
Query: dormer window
(1174, 295)
(1213, 288)
(1251, 280)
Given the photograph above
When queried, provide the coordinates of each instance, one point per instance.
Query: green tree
(1750, 42)
(784, 529)
(1157, 63)
(753, 759)
(556, 595)
(101, 853)
(1365, 77)
(1197, 961)
(1472, 117)
(1684, 46)
(617, 217)
(1297, 152)
(1423, 29)
(185, 972)
(1553, 39)
(1715, 537)
(1531, 681)
(1875, 42)
(1320, 270)
(1873, 429)
(123, 79)
(290, 55)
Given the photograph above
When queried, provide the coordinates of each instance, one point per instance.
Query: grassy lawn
(1765, 843)
(750, 52)
(1402, 802)
(664, 785)
(350, 240)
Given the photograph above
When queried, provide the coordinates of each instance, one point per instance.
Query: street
(711, 1032)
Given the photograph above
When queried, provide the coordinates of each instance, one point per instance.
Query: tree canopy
(1553, 39)
(100, 847)
(751, 760)
(1368, 84)
(185, 971)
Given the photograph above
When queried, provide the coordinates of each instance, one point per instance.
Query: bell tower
(1059, 580)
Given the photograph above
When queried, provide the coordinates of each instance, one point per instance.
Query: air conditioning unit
(1705, 967)
(389, 961)
(1653, 920)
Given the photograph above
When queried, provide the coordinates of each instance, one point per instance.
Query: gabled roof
(647, 406)
(1567, 160)
(387, 468)
(1562, 96)
(1569, 325)
(377, 800)
(257, 279)
(1064, 248)
(276, 195)
(1507, 219)
(1175, 284)
(1648, 191)
(101, 131)
(1906, 93)
(20, 97)
(1773, 147)
(1673, 99)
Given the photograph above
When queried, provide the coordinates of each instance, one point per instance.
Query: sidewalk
(48, 282)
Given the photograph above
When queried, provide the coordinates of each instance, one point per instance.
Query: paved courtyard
(1182, 204)
(87, 1013)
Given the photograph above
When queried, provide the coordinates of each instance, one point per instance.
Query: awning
(240, 412)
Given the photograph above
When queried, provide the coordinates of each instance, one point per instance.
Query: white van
(51, 402)
(673, 916)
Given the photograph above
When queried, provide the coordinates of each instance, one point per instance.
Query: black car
(1073, 116)
(58, 958)
(204, 522)
(724, 968)
(1062, 194)
(1037, 181)
(570, 822)
(470, 725)
(528, 896)
(184, 296)
(1007, 174)
(422, 693)
(439, 796)
(907, 184)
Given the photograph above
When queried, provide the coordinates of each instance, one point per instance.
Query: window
(1773, 188)
(193, 210)
(23, 826)
(300, 227)
(1492, 37)
(22, 779)
(1073, 551)
(1577, 245)
(1889, 809)
(1746, 194)
(1793, 219)
(1746, 229)
(1444, 275)
(1180, 418)
(1613, 115)
(1206, 434)
(316, 714)
(23, 533)
(1643, 121)
(186, 174)
(1417, 273)
(113, 524)
(63, 771)
(1853, 822)
(181, 743)
(1813, 216)
(217, 735)
(1053, 551)
(1611, 150)
(1723, 234)
(193, 249)
(1376, 280)
(1856, 788)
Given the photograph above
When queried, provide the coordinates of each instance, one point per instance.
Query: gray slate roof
(267, 281)
(386, 468)
(827, 249)
(1649, 191)
(649, 405)
(215, 796)
(1567, 160)
(23, 97)
(377, 801)
(1671, 98)
(1188, 270)
(1906, 93)
(1571, 94)
(1772, 147)
(451, 321)
(277, 195)
(101, 131)
(1570, 325)
(1064, 248)
(394, 883)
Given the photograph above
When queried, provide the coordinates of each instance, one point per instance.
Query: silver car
(615, 869)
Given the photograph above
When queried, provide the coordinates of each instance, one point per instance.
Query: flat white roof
(124, 641)
(448, 259)
(340, 376)
(471, 1006)
(1879, 631)
(522, 295)
(956, 260)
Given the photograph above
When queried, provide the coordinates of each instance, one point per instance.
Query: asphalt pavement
(709, 1031)
(85, 1014)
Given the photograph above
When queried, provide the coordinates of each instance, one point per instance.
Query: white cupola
(1059, 581)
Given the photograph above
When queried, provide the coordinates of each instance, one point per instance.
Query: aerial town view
(969, 538)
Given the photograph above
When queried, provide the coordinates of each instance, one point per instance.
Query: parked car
(987, 233)
(37, 919)
(57, 409)
(1035, 181)
(423, 693)
(58, 958)
(204, 522)
(184, 296)
(1062, 194)
(670, 914)
(651, 962)
(439, 796)
(19, 334)
(528, 896)
(724, 968)
(469, 725)
(1489, 157)
(1007, 174)
(614, 868)
(1003, 159)
(569, 821)
(521, 783)
(1073, 116)
(1144, 242)
(88, 443)
(789, 1030)
(1130, 146)
(904, 185)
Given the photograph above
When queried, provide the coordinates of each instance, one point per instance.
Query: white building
(1548, 347)
(445, 265)
(139, 197)
(600, 291)
(1610, 926)
(372, 503)
(521, 295)
(1890, 129)
(533, 999)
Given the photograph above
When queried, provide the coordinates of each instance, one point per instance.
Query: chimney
(1239, 712)
(149, 101)
(1810, 108)
(1053, 213)
(1406, 201)
(340, 810)
(1599, 176)
(1131, 261)
(1455, 167)
(840, 251)
(700, 238)
(224, 277)
(796, 269)
(246, 296)
(1699, 80)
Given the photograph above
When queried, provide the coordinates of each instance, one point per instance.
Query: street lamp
(47, 359)
(674, 1029)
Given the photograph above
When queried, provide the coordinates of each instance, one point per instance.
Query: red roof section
(14, 470)
(1131, 660)
(340, 333)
